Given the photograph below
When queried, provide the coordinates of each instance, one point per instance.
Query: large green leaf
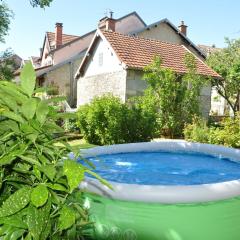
(16, 202)
(28, 79)
(11, 156)
(14, 91)
(67, 218)
(42, 111)
(74, 173)
(9, 101)
(28, 109)
(12, 115)
(37, 220)
(39, 195)
(48, 170)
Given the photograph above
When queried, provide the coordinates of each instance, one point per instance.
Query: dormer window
(100, 59)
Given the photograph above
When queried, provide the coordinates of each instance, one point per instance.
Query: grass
(80, 144)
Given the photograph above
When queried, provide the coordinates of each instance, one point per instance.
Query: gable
(161, 32)
(102, 59)
(129, 23)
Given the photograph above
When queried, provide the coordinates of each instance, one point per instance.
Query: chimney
(58, 34)
(183, 28)
(107, 24)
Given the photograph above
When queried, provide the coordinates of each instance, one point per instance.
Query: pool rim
(164, 193)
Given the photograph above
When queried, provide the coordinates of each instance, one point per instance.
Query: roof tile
(65, 39)
(138, 52)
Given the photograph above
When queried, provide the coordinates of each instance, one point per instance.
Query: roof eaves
(82, 53)
(78, 72)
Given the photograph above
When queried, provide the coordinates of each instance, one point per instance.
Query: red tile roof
(65, 39)
(138, 52)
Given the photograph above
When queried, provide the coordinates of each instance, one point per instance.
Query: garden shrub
(102, 121)
(38, 182)
(227, 133)
(108, 121)
(197, 131)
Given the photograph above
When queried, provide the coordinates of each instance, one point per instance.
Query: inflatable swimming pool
(168, 190)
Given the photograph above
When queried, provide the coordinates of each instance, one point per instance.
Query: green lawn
(80, 144)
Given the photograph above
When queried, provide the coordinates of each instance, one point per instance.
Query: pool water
(165, 168)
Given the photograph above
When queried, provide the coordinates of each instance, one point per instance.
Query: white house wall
(110, 62)
(101, 79)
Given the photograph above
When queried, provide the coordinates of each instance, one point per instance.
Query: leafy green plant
(177, 96)
(228, 133)
(38, 182)
(108, 121)
(197, 131)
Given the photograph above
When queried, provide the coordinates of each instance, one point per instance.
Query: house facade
(114, 64)
(61, 54)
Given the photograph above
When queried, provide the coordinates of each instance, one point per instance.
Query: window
(100, 59)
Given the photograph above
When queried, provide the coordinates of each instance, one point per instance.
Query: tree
(5, 17)
(7, 65)
(40, 3)
(226, 62)
(177, 96)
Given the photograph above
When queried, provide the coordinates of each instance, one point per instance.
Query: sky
(209, 21)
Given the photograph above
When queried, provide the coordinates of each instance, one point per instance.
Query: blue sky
(209, 21)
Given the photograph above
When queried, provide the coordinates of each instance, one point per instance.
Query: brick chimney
(58, 34)
(183, 28)
(107, 24)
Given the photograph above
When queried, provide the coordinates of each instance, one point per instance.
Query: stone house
(61, 54)
(114, 64)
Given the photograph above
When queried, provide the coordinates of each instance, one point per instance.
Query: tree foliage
(226, 62)
(5, 17)
(38, 180)
(40, 3)
(177, 96)
(7, 65)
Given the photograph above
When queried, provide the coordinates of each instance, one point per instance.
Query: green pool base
(125, 220)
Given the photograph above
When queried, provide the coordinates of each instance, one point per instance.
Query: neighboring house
(62, 54)
(114, 64)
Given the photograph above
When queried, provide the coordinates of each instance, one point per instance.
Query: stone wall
(62, 78)
(102, 84)
(135, 86)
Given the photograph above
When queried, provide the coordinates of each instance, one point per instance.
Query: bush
(197, 131)
(227, 134)
(108, 121)
(38, 197)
